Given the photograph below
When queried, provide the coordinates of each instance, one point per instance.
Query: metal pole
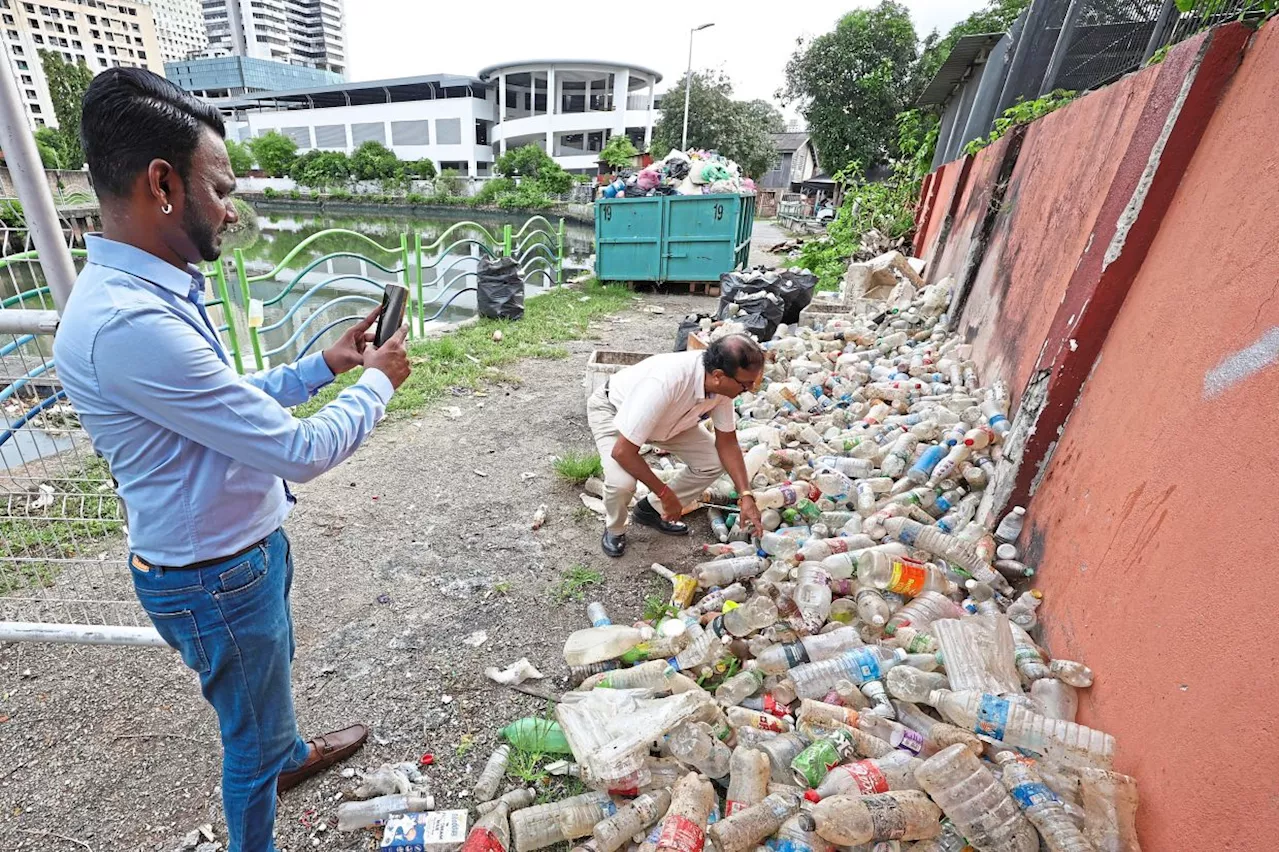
(33, 190)
(688, 82)
(1060, 47)
(1157, 33)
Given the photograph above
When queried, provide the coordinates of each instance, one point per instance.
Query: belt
(143, 565)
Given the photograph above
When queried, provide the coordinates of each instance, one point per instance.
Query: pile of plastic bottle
(692, 172)
(862, 674)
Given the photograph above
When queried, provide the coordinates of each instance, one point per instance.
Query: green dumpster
(673, 237)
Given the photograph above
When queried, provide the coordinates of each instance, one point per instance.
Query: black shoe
(645, 514)
(613, 545)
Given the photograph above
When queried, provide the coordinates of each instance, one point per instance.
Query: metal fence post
(417, 266)
(1061, 47)
(560, 253)
(254, 342)
(233, 337)
(506, 241)
(27, 171)
(404, 272)
(1157, 32)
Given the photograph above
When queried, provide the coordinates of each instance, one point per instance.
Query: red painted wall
(1156, 523)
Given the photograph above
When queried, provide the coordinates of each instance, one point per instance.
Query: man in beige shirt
(662, 401)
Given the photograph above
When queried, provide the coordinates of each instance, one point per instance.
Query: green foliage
(740, 130)
(274, 153)
(1158, 56)
(67, 84)
(850, 83)
(917, 137)
(448, 184)
(416, 198)
(374, 161)
(619, 152)
(294, 195)
(574, 582)
(270, 194)
(240, 156)
(577, 466)
(527, 196)
(321, 169)
(492, 189)
(248, 218)
(49, 156)
(656, 608)
(1023, 112)
(424, 168)
(533, 166)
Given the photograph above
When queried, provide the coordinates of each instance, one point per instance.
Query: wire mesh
(1109, 40)
(1206, 14)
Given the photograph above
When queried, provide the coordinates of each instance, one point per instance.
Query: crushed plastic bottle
(976, 802)
(685, 824)
(895, 771)
(748, 779)
(741, 831)
(491, 776)
(1041, 805)
(632, 818)
(894, 815)
(492, 832)
(372, 812)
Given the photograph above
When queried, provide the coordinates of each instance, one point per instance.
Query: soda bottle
(514, 800)
(594, 644)
(746, 619)
(741, 831)
(1010, 526)
(900, 574)
(745, 683)
(722, 572)
(812, 764)
(740, 716)
(492, 831)
(894, 815)
(976, 802)
(748, 779)
(491, 776)
(371, 812)
(894, 771)
(1041, 805)
(923, 610)
(693, 745)
(536, 735)
(632, 818)
(1004, 721)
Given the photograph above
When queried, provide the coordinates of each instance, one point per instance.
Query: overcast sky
(751, 41)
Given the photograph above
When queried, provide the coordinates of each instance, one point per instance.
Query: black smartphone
(394, 299)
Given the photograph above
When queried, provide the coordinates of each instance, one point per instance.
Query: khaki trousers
(695, 447)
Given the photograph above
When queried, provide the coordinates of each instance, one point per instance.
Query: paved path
(765, 233)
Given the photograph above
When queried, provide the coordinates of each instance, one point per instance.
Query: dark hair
(131, 117)
(733, 353)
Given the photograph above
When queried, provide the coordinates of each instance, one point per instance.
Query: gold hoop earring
(166, 208)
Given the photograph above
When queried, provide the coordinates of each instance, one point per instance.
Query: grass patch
(465, 744)
(581, 514)
(471, 358)
(577, 466)
(574, 582)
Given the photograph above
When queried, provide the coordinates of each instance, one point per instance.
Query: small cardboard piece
(435, 831)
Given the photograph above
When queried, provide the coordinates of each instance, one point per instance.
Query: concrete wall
(71, 182)
(1128, 283)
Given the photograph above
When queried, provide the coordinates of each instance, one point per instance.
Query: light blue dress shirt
(199, 452)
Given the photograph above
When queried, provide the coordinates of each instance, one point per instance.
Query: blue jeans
(231, 624)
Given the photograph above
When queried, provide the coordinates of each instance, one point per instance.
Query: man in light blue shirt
(201, 454)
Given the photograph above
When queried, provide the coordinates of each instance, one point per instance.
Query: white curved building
(567, 107)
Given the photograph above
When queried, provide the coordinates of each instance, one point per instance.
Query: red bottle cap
(812, 796)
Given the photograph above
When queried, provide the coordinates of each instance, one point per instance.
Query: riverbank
(313, 206)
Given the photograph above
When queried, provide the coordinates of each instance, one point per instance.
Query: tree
(274, 152)
(67, 84)
(240, 157)
(737, 129)
(321, 169)
(995, 17)
(850, 84)
(424, 168)
(374, 161)
(619, 152)
(535, 166)
(49, 144)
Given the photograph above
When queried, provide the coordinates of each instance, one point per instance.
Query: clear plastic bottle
(1002, 720)
(798, 833)
(779, 545)
(732, 549)
(822, 549)
(1027, 658)
(871, 605)
(492, 831)
(935, 541)
(890, 572)
(937, 734)
(491, 776)
(895, 815)
(812, 595)
(781, 751)
(913, 641)
(1055, 699)
(1010, 527)
(742, 685)
(748, 779)
(595, 644)
(371, 812)
(894, 771)
(976, 802)
(514, 800)
(854, 468)
(741, 716)
(1110, 809)
(949, 840)
(1022, 611)
(715, 600)
(746, 619)
(1073, 673)
(777, 659)
(893, 732)
(657, 675)
(1041, 805)
(996, 416)
(718, 527)
(781, 496)
(694, 745)
(814, 680)
(543, 825)
(632, 818)
(741, 831)
(684, 827)
(722, 572)
(924, 465)
(923, 610)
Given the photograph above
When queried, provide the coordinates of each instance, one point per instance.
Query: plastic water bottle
(937, 735)
(594, 644)
(1010, 527)
(1055, 699)
(814, 680)
(732, 549)
(544, 825)
(976, 802)
(748, 779)
(923, 610)
(913, 641)
(919, 472)
(631, 819)
(722, 572)
(895, 771)
(895, 815)
(812, 595)
(779, 545)
(1022, 611)
(1110, 808)
(371, 812)
(781, 751)
(901, 575)
(777, 659)
(514, 800)
(745, 683)
(854, 468)
(1005, 721)
(798, 833)
(491, 776)
(693, 745)
(781, 496)
(996, 417)
(742, 830)
(871, 605)
(492, 831)
(1071, 672)
(684, 826)
(1041, 805)
(746, 619)
(914, 534)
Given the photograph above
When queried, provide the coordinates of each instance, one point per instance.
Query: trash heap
(692, 172)
(861, 674)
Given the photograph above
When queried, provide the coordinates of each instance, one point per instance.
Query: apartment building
(179, 27)
(311, 33)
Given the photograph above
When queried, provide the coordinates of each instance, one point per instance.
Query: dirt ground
(401, 553)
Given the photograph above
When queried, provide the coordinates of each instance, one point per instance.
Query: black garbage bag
(689, 325)
(500, 289)
(758, 326)
(761, 311)
(676, 169)
(734, 285)
(795, 288)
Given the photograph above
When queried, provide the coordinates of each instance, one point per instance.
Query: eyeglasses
(743, 386)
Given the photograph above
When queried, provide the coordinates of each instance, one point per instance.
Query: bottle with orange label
(684, 827)
(901, 574)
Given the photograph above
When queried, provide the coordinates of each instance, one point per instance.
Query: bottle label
(867, 664)
(1032, 793)
(838, 545)
(921, 643)
(482, 840)
(888, 821)
(867, 777)
(813, 764)
(795, 654)
(683, 590)
(785, 844)
(993, 715)
(731, 807)
(788, 495)
(772, 707)
(908, 577)
(908, 534)
(1023, 653)
(680, 833)
(908, 740)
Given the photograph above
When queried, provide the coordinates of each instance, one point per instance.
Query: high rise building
(311, 33)
(179, 27)
(99, 34)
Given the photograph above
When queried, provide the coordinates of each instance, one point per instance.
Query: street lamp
(688, 81)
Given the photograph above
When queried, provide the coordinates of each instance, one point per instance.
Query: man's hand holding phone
(390, 357)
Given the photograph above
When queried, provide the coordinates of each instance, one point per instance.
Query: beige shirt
(663, 396)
